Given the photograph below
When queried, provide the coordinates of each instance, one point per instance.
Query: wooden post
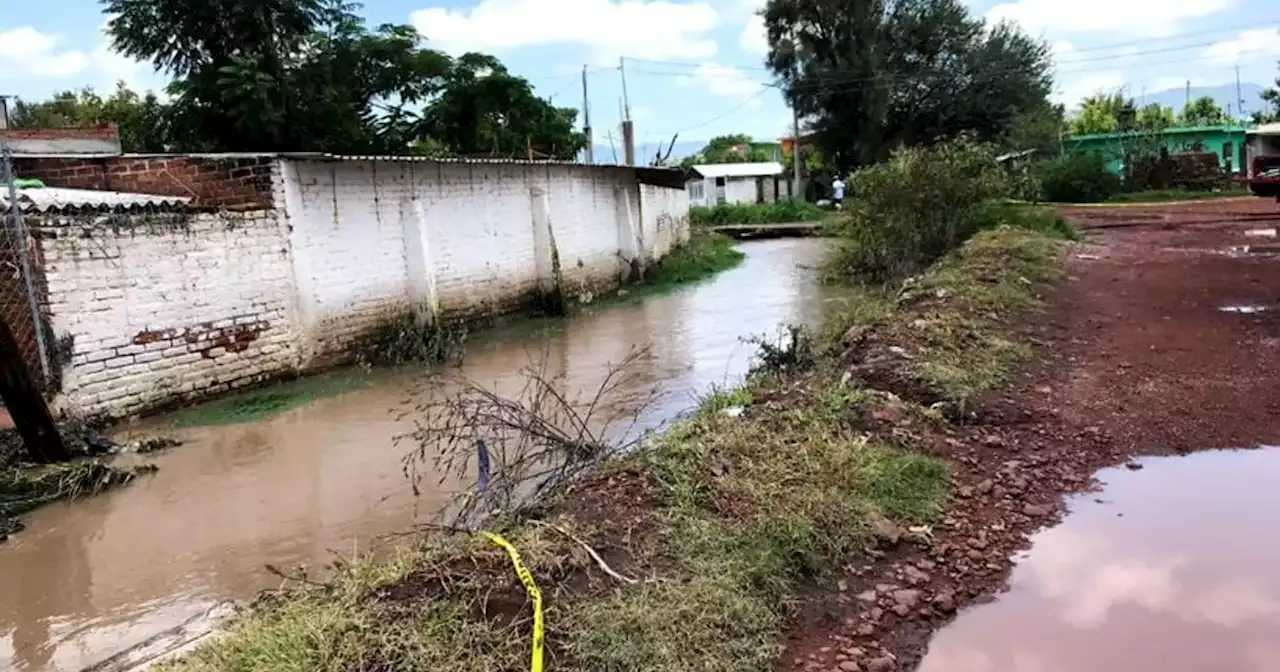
(26, 405)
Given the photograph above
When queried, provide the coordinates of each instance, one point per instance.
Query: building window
(697, 192)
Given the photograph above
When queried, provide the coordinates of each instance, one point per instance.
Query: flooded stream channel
(92, 578)
(1173, 567)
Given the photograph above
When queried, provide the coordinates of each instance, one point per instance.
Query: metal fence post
(23, 244)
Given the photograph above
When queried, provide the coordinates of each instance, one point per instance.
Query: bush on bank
(782, 212)
(1078, 178)
(907, 212)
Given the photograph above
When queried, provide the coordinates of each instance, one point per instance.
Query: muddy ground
(1164, 337)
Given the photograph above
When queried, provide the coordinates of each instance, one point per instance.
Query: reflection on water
(91, 578)
(1176, 569)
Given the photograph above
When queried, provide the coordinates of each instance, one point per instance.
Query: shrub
(1037, 218)
(755, 213)
(1078, 178)
(915, 207)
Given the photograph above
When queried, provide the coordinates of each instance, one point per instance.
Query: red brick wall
(210, 182)
(103, 132)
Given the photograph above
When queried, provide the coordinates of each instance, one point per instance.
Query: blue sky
(694, 66)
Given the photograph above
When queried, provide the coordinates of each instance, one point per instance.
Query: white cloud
(1248, 45)
(723, 80)
(25, 51)
(1146, 17)
(1070, 90)
(754, 38)
(654, 29)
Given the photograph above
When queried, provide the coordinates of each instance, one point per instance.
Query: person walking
(837, 193)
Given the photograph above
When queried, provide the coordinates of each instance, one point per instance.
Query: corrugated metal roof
(51, 199)
(325, 156)
(1266, 129)
(739, 169)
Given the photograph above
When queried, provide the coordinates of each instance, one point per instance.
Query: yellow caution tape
(535, 595)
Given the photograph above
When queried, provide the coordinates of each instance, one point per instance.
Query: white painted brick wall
(665, 219)
(159, 308)
(160, 314)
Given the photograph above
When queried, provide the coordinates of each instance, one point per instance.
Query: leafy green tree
(1039, 128)
(878, 74)
(1203, 111)
(1100, 114)
(735, 148)
(309, 75)
(482, 109)
(142, 119)
(1156, 117)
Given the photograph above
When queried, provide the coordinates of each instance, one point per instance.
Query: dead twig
(604, 566)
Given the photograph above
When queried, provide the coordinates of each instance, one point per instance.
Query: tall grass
(782, 212)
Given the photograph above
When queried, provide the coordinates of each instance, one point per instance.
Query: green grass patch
(782, 212)
(703, 257)
(951, 322)
(272, 399)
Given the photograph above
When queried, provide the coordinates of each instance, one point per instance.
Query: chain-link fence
(19, 305)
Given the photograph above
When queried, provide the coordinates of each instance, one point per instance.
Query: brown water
(92, 578)
(1177, 570)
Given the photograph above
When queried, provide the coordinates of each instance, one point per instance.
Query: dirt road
(1163, 338)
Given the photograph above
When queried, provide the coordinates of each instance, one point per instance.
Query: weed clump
(406, 339)
(23, 489)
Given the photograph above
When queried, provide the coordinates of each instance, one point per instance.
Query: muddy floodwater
(92, 578)
(1173, 567)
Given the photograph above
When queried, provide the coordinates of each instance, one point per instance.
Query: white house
(716, 183)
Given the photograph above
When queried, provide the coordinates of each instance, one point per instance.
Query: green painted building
(1227, 141)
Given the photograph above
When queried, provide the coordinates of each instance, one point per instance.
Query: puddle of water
(1179, 570)
(93, 578)
(1245, 309)
(1269, 249)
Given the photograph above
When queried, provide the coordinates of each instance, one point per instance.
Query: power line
(747, 101)
(1095, 48)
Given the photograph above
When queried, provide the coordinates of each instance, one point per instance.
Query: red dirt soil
(1135, 356)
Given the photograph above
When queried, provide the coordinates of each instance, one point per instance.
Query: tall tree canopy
(734, 148)
(1109, 113)
(1203, 111)
(877, 74)
(309, 75)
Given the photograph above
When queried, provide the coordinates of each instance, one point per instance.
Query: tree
(309, 75)
(1040, 128)
(1100, 113)
(736, 148)
(1203, 111)
(483, 109)
(1156, 117)
(879, 74)
(142, 120)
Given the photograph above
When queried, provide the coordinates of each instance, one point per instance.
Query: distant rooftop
(1172, 130)
(739, 169)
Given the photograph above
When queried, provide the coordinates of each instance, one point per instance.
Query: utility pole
(586, 120)
(1239, 96)
(628, 131)
(795, 149)
(1188, 103)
